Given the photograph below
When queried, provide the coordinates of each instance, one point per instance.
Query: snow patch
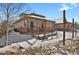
(24, 44)
(32, 41)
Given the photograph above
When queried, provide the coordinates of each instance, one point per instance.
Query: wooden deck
(36, 32)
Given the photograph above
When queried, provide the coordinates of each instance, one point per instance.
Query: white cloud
(68, 6)
(74, 4)
(64, 7)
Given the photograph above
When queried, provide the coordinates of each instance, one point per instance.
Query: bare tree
(9, 11)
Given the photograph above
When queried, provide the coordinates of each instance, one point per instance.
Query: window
(42, 25)
(32, 24)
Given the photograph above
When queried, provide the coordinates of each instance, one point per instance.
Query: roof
(59, 20)
(36, 17)
(34, 14)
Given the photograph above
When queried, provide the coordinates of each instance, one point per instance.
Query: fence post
(73, 28)
(64, 26)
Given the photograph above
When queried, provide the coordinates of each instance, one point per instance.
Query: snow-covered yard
(26, 41)
(16, 37)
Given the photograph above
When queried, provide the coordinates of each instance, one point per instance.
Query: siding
(38, 23)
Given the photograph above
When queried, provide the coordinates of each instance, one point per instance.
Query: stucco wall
(50, 25)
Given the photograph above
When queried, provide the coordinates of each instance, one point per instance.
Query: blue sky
(54, 10)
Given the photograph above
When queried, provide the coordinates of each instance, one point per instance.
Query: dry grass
(72, 47)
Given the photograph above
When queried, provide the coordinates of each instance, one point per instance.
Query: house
(34, 22)
(59, 24)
